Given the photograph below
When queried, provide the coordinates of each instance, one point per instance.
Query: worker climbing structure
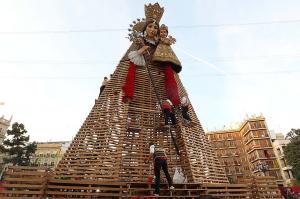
(113, 141)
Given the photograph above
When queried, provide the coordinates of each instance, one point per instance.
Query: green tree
(292, 152)
(17, 146)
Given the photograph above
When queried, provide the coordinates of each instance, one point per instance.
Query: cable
(288, 72)
(59, 62)
(239, 24)
(173, 27)
(191, 60)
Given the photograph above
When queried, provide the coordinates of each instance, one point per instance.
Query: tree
(292, 152)
(17, 146)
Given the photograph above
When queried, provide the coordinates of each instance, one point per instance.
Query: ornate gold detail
(136, 29)
(154, 12)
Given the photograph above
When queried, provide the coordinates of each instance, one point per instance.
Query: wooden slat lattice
(262, 187)
(24, 182)
(113, 142)
(28, 182)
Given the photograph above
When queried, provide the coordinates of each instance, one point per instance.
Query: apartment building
(279, 143)
(49, 153)
(246, 150)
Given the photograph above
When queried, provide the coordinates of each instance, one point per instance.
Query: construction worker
(104, 83)
(185, 108)
(167, 107)
(159, 157)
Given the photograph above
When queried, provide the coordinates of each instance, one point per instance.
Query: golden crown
(154, 12)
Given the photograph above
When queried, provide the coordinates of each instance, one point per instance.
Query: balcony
(287, 168)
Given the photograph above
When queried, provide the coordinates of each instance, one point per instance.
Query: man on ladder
(160, 162)
(169, 115)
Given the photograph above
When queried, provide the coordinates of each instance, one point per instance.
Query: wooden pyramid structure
(113, 141)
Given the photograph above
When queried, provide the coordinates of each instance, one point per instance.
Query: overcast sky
(239, 57)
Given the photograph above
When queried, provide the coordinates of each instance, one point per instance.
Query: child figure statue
(165, 55)
(164, 52)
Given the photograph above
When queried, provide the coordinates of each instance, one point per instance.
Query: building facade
(246, 150)
(279, 144)
(4, 124)
(49, 153)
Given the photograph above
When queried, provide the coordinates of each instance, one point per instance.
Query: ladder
(159, 101)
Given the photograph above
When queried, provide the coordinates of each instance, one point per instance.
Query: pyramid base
(33, 182)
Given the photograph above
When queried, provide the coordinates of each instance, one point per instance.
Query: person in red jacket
(169, 115)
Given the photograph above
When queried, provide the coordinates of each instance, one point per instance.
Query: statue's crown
(154, 12)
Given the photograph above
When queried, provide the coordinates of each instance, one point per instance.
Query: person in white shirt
(185, 103)
(160, 162)
(104, 83)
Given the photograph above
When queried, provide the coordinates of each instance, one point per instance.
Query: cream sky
(239, 58)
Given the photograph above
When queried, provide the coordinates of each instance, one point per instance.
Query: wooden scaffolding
(38, 182)
(113, 141)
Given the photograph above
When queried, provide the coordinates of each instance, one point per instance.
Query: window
(287, 175)
(266, 153)
(253, 125)
(258, 124)
(283, 163)
(270, 164)
(273, 173)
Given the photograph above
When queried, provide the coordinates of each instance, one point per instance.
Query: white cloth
(152, 149)
(136, 58)
(179, 176)
(169, 101)
(185, 101)
(105, 82)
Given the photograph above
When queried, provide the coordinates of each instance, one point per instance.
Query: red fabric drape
(171, 85)
(128, 87)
